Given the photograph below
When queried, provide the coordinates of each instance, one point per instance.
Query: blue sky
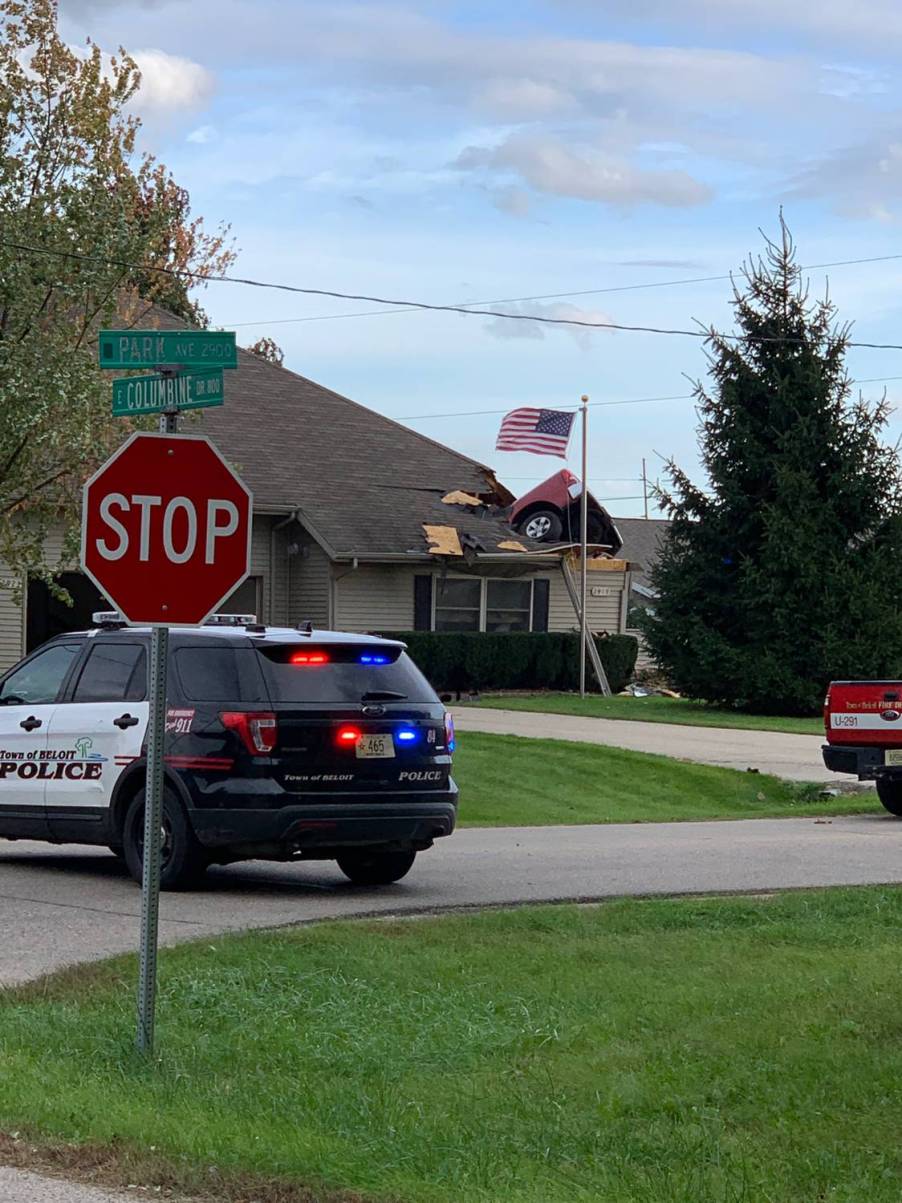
(456, 152)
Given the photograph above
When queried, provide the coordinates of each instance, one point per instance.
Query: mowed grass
(509, 781)
(651, 710)
(695, 1051)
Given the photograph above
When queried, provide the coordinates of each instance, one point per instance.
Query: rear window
(218, 673)
(304, 673)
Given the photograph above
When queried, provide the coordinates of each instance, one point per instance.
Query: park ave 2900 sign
(166, 529)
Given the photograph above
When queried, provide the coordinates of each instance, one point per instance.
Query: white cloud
(170, 83)
(203, 135)
(861, 181)
(503, 328)
(547, 165)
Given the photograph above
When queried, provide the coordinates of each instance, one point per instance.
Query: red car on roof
(550, 513)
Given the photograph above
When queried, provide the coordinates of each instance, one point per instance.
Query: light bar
(231, 620)
(370, 658)
(309, 658)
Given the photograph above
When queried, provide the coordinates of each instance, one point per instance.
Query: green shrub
(469, 660)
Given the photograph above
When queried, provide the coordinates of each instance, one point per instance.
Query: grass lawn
(693, 1051)
(651, 710)
(509, 781)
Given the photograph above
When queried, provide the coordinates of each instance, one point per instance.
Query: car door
(28, 698)
(95, 733)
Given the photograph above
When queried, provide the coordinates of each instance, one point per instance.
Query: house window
(508, 605)
(458, 604)
(477, 604)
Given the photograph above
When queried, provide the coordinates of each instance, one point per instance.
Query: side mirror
(445, 697)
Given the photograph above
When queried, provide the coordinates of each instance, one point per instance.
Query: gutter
(276, 526)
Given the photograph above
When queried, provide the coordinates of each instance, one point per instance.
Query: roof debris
(511, 545)
(443, 540)
(458, 497)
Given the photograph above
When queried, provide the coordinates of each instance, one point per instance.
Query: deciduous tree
(84, 221)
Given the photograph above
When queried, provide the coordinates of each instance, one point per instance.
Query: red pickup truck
(863, 720)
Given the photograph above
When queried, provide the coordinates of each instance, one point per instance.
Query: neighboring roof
(641, 541)
(366, 484)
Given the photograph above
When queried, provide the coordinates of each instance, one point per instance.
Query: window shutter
(540, 590)
(422, 603)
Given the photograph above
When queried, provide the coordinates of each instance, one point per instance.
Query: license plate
(894, 756)
(373, 747)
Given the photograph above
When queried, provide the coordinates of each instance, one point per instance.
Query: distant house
(359, 524)
(642, 538)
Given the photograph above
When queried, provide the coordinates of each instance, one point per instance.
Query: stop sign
(166, 529)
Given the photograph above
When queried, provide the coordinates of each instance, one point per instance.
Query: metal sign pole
(584, 521)
(153, 822)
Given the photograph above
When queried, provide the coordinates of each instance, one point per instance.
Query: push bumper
(865, 762)
(407, 820)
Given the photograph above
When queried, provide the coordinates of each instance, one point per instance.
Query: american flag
(544, 431)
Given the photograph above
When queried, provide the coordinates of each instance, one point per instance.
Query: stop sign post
(166, 536)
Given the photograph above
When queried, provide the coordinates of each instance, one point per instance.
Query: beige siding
(371, 598)
(310, 593)
(604, 610)
(12, 626)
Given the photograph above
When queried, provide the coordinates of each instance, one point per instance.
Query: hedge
(469, 660)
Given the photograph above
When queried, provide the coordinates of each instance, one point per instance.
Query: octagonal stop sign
(166, 529)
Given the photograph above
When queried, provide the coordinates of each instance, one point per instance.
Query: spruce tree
(780, 575)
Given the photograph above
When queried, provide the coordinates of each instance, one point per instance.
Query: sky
(596, 154)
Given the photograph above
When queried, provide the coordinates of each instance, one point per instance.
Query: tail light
(347, 736)
(449, 731)
(257, 729)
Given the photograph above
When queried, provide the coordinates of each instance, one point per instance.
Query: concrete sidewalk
(796, 757)
(17, 1186)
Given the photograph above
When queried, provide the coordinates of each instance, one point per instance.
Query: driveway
(797, 757)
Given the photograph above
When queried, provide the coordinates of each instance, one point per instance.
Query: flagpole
(583, 591)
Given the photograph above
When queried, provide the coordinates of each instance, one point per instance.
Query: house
(642, 538)
(359, 524)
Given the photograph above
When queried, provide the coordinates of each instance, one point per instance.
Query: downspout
(333, 592)
(277, 526)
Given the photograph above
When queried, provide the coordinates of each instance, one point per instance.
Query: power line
(424, 305)
(478, 413)
(549, 296)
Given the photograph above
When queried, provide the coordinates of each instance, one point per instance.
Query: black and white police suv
(281, 744)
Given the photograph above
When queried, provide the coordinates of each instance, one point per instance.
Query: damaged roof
(365, 485)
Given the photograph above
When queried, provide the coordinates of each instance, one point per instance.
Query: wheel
(889, 791)
(182, 860)
(544, 526)
(375, 867)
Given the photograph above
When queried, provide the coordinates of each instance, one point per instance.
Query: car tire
(374, 866)
(183, 862)
(889, 791)
(544, 526)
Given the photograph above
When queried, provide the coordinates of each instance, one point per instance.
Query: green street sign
(137, 395)
(169, 348)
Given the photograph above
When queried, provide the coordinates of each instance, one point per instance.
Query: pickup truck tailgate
(864, 712)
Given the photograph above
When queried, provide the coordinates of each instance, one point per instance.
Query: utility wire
(479, 413)
(481, 312)
(549, 296)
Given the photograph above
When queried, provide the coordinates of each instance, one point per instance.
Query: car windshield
(305, 673)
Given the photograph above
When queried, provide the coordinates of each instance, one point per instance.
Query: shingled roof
(641, 544)
(364, 484)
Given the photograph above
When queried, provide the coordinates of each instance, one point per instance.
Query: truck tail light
(449, 731)
(257, 729)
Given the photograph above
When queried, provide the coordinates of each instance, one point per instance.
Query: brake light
(257, 729)
(348, 735)
(449, 731)
(309, 658)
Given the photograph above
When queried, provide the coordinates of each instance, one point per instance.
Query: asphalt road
(64, 905)
(797, 757)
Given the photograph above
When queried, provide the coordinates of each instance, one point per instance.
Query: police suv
(281, 744)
